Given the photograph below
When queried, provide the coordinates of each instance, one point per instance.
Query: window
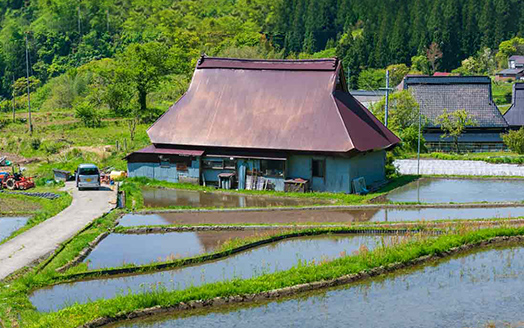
(272, 168)
(319, 168)
(88, 171)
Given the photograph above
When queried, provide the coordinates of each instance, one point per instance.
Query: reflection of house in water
(211, 240)
(154, 197)
(255, 124)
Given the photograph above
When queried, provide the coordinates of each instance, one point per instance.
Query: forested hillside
(65, 34)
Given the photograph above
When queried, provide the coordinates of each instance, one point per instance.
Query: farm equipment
(15, 180)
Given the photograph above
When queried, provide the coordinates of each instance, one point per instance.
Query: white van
(87, 176)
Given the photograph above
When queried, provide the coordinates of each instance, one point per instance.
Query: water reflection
(155, 197)
(8, 225)
(468, 291)
(459, 191)
(322, 215)
(265, 259)
(119, 249)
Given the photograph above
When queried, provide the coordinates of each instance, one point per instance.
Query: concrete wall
(164, 173)
(339, 171)
(371, 166)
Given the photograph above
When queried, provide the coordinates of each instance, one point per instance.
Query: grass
(490, 157)
(135, 200)
(501, 92)
(76, 315)
(60, 142)
(42, 209)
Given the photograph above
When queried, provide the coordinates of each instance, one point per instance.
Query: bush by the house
(515, 140)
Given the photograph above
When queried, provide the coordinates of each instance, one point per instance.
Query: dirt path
(41, 240)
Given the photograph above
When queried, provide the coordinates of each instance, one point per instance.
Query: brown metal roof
(151, 149)
(274, 105)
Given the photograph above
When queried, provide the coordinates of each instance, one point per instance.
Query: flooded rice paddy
(321, 215)
(459, 191)
(155, 197)
(8, 225)
(472, 290)
(279, 256)
(119, 249)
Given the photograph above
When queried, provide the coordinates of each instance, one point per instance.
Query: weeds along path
(39, 241)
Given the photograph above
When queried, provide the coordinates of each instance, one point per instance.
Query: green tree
(144, 66)
(508, 48)
(397, 73)
(514, 140)
(372, 79)
(453, 124)
(403, 118)
(421, 64)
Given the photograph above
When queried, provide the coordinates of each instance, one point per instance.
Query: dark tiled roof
(411, 80)
(271, 105)
(473, 94)
(515, 114)
(518, 59)
(511, 71)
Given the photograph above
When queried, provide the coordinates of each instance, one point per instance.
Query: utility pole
(387, 99)
(107, 20)
(13, 100)
(79, 26)
(418, 146)
(28, 88)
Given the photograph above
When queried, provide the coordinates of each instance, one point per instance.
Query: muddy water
(468, 291)
(265, 259)
(154, 197)
(8, 225)
(119, 249)
(459, 191)
(319, 215)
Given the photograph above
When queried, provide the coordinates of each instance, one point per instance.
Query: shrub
(409, 138)
(35, 143)
(88, 115)
(515, 140)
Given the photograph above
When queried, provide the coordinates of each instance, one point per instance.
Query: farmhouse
(515, 70)
(470, 93)
(266, 124)
(515, 114)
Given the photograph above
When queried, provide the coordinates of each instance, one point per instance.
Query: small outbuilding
(434, 94)
(265, 124)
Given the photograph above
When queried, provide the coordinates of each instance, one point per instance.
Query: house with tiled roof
(515, 70)
(470, 93)
(266, 124)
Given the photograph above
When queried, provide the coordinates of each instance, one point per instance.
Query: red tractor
(15, 180)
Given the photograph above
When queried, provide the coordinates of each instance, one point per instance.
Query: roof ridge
(311, 60)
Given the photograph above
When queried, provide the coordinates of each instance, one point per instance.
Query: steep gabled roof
(515, 114)
(471, 93)
(270, 104)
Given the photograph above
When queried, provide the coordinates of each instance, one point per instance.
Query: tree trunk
(142, 100)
